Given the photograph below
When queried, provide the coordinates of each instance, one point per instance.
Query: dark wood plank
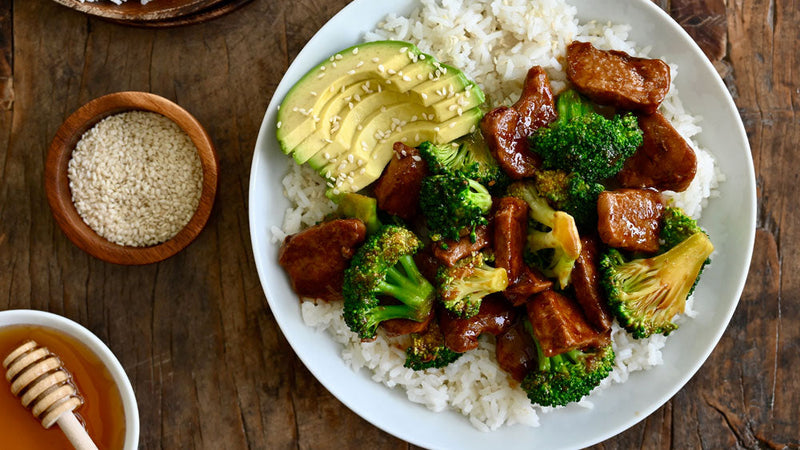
(6, 54)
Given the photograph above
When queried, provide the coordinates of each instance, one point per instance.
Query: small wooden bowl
(60, 197)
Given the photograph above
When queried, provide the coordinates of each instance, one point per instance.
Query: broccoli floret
(645, 294)
(468, 156)
(568, 377)
(570, 193)
(585, 142)
(451, 203)
(461, 288)
(384, 266)
(676, 227)
(555, 250)
(359, 207)
(428, 350)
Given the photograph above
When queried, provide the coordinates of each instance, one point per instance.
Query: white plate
(730, 220)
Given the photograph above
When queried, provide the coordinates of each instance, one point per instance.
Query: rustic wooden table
(209, 366)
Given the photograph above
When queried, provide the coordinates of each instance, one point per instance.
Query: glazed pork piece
(560, 326)
(506, 130)
(397, 190)
(617, 79)
(516, 351)
(630, 219)
(536, 105)
(665, 161)
(529, 282)
(399, 327)
(494, 317)
(510, 236)
(315, 259)
(464, 247)
(586, 284)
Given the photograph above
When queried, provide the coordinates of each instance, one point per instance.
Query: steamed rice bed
(494, 42)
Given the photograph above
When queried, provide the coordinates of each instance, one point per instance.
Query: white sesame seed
(141, 168)
(406, 78)
(313, 93)
(279, 124)
(355, 51)
(375, 59)
(351, 72)
(322, 68)
(338, 57)
(403, 50)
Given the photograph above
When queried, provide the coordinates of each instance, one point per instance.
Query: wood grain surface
(209, 366)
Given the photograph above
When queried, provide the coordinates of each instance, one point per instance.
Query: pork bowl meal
(495, 207)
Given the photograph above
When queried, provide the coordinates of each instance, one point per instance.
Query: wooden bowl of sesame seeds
(131, 178)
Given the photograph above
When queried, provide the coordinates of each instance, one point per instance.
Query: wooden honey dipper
(44, 386)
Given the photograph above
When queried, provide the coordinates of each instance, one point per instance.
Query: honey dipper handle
(75, 432)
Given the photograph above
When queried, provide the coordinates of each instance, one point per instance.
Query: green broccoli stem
(381, 313)
(543, 361)
(408, 286)
(570, 105)
(555, 362)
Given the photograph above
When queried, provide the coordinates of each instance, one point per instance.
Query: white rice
(494, 42)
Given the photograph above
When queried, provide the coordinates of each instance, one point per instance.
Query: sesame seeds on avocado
(343, 116)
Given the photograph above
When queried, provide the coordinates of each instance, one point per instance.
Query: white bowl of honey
(109, 412)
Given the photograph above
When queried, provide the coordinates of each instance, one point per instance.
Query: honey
(102, 412)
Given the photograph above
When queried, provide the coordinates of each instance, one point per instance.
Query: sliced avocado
(354, 113)
(343, 117)
(306, 98)
(448, 82)
(414, 73)
(458, 103)
(364, 168)
(383, 122)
